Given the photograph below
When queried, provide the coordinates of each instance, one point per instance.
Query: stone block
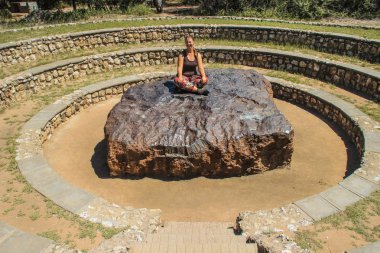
(21, 242)
(340, 197)
(359, 185)
(316, 207)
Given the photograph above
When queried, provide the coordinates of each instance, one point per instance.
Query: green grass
(22, 35)
(307, 240)
(372, 109)
(51, 234)
(87, 229)
(8, 210)
(20, 213)
(35, 215)
(357, 218)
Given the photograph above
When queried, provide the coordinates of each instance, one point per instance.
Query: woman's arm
(179, 68)
(201, 67)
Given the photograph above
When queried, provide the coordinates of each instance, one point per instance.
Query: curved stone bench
(33, 49)
(189, 18)
(358, 126)
(348, 76)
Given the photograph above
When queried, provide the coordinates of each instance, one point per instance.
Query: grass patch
(357, 218)
(27, 188)
(18, 201)
(139, 10)
(8, 210)
(107, 233)
(307, 240)
(372, 109)
(86, 228)
(51, 234)
(27, 34)
(20, 213)
(35, 215)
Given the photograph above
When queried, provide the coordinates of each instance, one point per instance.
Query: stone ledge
(371, 248)
(13, 240)
(347, 76)
(316, 207)
(32, 49)
(340, 197)
(192, 18)
(359, 185)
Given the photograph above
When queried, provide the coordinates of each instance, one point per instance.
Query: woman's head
(189, 42)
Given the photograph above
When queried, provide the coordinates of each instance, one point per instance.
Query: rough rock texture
(274, 229)
(119, 243)
(235, 130)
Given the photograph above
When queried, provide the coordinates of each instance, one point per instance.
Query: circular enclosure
(312, 170)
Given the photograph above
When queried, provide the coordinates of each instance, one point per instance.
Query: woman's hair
(189, 37)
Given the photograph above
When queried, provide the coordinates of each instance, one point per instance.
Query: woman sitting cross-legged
(187, 78)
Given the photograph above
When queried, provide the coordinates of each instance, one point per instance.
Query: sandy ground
(77, 151)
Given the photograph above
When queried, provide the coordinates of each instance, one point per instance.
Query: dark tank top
(189, 67)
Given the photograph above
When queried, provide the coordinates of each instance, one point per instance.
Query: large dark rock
(235, 130)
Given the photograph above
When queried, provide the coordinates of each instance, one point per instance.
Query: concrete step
(195, 237)
(194, 248)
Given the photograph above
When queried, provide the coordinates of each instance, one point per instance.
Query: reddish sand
(77, 152)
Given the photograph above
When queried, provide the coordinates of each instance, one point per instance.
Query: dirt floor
(316, 165)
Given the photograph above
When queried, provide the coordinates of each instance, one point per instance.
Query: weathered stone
(235, 130)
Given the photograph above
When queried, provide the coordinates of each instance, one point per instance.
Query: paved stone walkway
(218, 237)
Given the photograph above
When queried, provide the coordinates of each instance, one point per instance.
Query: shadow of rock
(99, 160)
(353, 158)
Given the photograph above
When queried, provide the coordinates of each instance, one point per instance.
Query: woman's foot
(203, 91)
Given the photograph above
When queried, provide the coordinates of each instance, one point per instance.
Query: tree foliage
(304, 9)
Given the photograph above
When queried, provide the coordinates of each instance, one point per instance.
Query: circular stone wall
(199, 199)
(235, 130)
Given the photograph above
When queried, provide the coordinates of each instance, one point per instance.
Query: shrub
(354, 8)
(223, 7)
(5, 14)
(56, 16)
(302, 9)
(139, 10)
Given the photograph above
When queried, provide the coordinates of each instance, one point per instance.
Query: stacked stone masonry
(31, 50)
(348, 76)
(189, 18)
(333, 113)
